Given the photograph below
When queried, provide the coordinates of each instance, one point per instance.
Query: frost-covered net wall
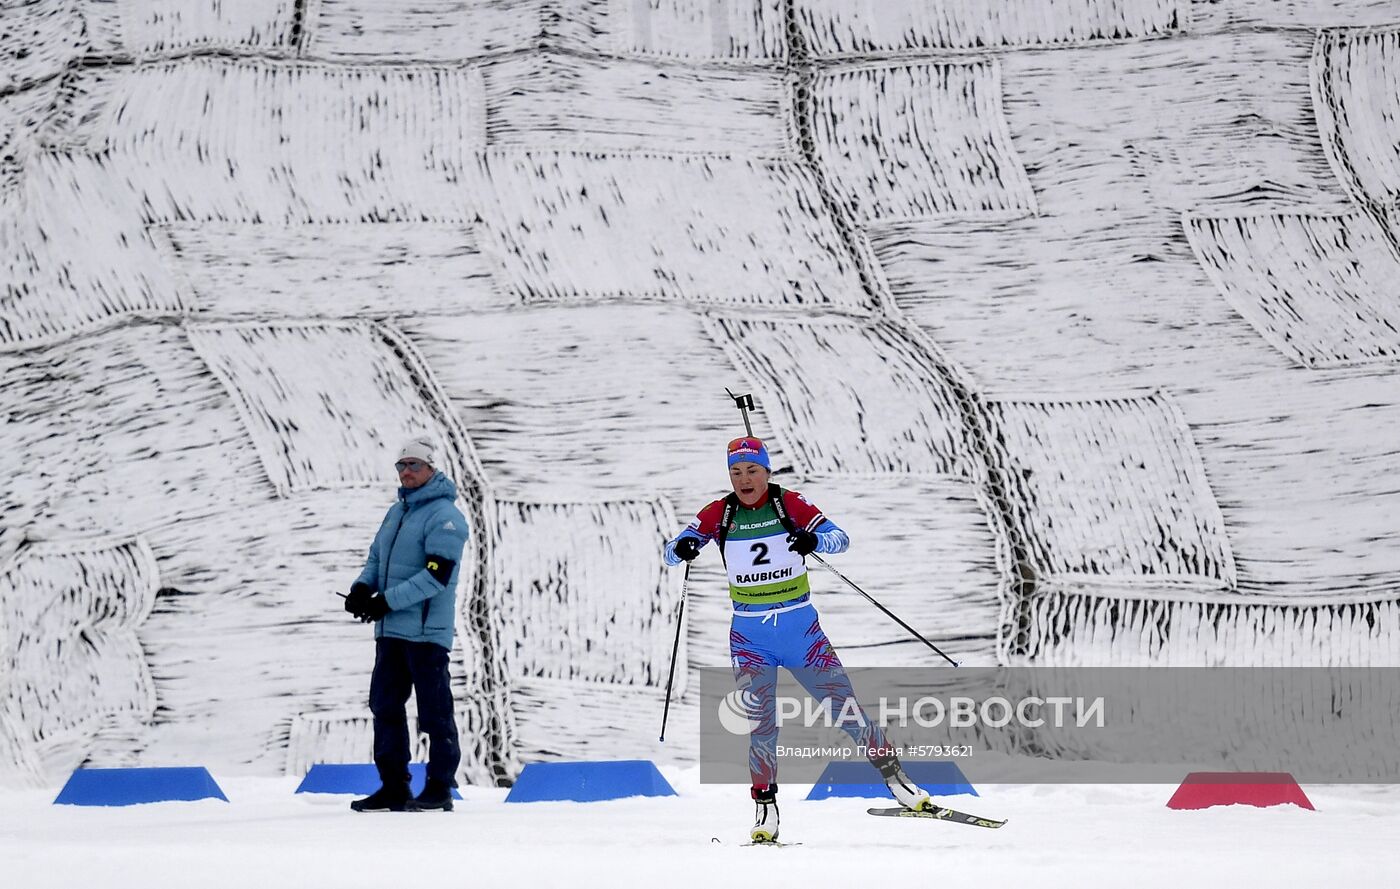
(1080, 317)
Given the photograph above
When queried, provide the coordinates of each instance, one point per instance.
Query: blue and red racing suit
(774, 622)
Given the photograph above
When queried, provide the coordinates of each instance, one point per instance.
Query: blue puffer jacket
(423, 522)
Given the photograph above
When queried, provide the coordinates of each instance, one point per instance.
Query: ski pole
(675, 647)
(827, 565)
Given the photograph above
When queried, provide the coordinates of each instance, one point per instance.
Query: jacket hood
(439, 486)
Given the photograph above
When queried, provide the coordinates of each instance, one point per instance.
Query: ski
(778, 843)
(938, 813)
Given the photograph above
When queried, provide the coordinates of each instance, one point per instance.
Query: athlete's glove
(804, 543)
(687, 548)
(359, 597)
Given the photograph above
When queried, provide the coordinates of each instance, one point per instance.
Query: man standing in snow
(408, 588)
(765, 533)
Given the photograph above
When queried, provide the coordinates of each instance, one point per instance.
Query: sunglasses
(410, 465)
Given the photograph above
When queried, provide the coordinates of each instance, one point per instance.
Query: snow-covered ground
(1058, 835)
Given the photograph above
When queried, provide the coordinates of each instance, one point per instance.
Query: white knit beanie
(419, 448)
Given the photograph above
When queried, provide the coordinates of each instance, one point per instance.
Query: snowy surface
(1057, 836)
(1081, 320)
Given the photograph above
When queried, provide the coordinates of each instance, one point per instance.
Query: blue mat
(861, 779)
(588, 782)
(130, 787)
(358, 778)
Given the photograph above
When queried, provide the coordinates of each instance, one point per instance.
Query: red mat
(1201, 790)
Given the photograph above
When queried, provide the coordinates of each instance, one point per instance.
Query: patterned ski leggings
(760, 643)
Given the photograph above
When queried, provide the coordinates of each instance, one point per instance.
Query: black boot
(388, 798)
(436, 795)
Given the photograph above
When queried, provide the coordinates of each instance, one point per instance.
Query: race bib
(761, 567)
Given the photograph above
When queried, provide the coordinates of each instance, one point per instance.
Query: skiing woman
(765, 533)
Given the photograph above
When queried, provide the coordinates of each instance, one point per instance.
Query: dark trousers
(401, 666)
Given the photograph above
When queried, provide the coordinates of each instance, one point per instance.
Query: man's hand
(804, 543)
(375, 608)
(687, 548)
(359, 597)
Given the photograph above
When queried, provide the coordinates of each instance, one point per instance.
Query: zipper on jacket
(389, 556)
(423, 627)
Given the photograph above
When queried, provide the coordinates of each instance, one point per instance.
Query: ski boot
(765, 824)
(391, 797)
(906, 792)
(436, 796)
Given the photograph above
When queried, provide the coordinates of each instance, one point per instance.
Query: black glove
(358, 598)
(804, 543)
(375, 608)
(687, 548)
